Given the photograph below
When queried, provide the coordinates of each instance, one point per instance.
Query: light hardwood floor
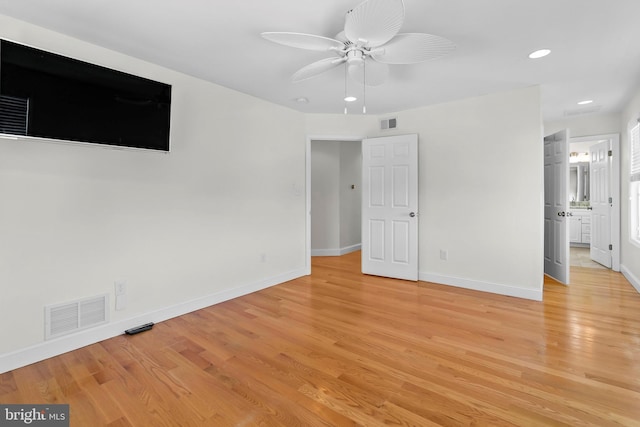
(339, 348)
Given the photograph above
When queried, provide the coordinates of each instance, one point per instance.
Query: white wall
(325, 197)
(481, 188)
(481, 192)
(341, 125)
(222, 214)
(629, 254)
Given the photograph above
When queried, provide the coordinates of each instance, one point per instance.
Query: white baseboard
(476, 285)
(635, 282)
(47, 349)
(336, 252)
(325, 252)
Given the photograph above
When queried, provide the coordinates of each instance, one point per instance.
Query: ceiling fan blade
(316, 68)
(304, 41)
(369, 72)
(372, 23)
(411, 48)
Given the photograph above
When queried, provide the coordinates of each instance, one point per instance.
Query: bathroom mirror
(579, 182)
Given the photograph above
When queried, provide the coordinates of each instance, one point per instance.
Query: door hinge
(610, 247)
(610, 153)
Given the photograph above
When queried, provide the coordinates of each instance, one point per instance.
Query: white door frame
(615, 191)
(308, 186)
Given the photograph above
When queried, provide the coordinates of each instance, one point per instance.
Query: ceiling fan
(370, 41)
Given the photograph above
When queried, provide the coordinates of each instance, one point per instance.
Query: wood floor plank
(339, 348)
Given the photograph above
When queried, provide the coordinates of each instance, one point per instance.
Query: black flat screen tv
(46, 95)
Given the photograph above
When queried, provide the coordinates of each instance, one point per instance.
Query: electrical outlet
(121, 302)
(121, 294)
(121, 288)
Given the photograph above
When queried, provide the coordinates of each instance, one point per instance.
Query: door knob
(412, 214)
(561, 214)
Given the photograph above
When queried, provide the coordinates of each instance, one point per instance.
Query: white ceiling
(595, 47)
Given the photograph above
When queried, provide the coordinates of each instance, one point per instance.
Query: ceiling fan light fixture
(541, 53)
(370, 41)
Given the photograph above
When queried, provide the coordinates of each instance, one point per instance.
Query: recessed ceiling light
(350, 98)
(539, 53)
(588, 101)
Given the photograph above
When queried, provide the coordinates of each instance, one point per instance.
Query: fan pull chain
(364, 86)
(345, 88)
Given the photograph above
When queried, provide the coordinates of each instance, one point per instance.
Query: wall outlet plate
(120, 288)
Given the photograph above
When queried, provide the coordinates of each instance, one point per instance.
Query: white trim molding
(477, 285)
(635, 282)
(55, 347)
(336, 252)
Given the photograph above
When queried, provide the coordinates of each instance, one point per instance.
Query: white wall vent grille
(66, 318)
(390, 123)
(582, 111)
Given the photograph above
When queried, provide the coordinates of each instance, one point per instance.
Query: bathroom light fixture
(539, 53)
(575, 157)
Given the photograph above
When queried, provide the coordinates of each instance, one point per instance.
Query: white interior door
(556, 200)
(390, 206)
(599, 193)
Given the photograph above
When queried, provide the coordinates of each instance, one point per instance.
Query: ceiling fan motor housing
(355, 56)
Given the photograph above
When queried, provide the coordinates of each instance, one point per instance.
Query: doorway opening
(594, 200)
(591, 207)
(333, 196)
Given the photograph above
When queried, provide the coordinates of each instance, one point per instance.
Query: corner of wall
(635, 281)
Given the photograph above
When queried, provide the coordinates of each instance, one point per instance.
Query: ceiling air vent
(391, 123)
(582, 111)
(63, 319)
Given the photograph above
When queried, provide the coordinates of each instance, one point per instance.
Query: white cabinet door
(390, 206)
(575, 229)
